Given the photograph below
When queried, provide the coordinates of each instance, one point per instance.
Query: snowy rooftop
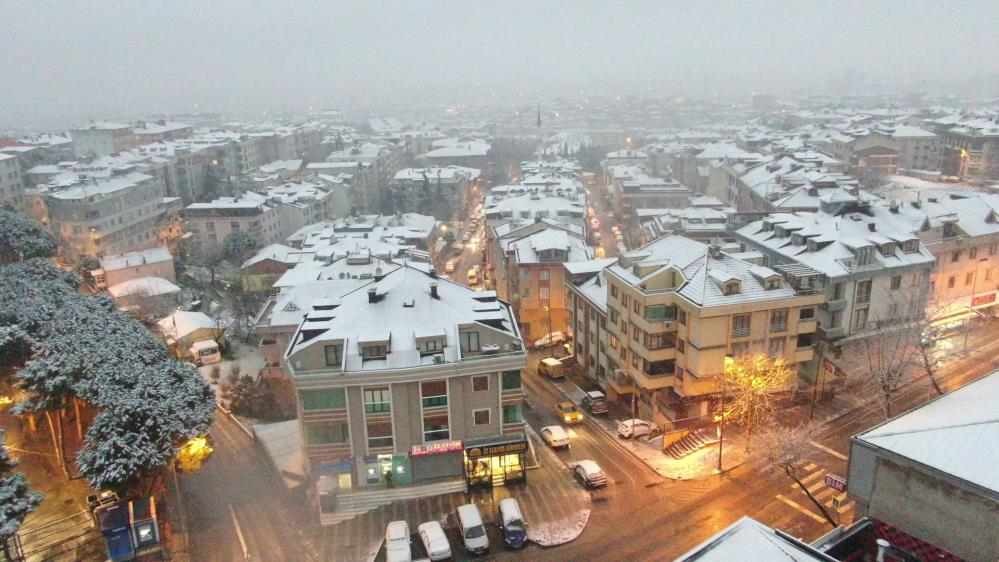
(82, 188)
(276, 252)
(956, 434)
(445, 173)
(247, 200)
(133, 259)
(143, 286)
(182, 323)
(748, 539)
(532, 247)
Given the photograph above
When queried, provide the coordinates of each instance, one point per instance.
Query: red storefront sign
(983, 300)
(837, 483)
(437, 448)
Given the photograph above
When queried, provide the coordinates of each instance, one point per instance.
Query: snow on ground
(561, 531)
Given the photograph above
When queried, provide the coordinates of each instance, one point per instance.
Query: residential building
(154, 262)
(782, 182)
(97, 216)
(586, 296)
(384, 161)
(446, 189)
(465, 152)
(530, 261)
(631, 188)
(518, 204)
(102, 139)
(866, 257)
(931, 472)
(705, 220)
(149, 298)
(413, 376)
(210, 223)
(970, 148)
(147, 132)
(676, 308)
(12, 183)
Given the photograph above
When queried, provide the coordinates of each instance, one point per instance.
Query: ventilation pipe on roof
(872, 227)
(372, 295)
(714, 251)
(433, 272)
(433, 290)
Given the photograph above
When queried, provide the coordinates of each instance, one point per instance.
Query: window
(683, 317)
(634, 360)
(950, 282)
(969, 278)
(325, 434)
(731, 288)
(525, 292)
(613, 316)
(511, 380)
(377, 401)
(778, 321)
(544, 275)
(481, 417)
(434, 393)
(636, 332)
(740, 348)
(896, 282)
(234, 225)
(806, 314)
(863, 292)
(955, 256)
(804, 340)
(624, 301)
(859, 319)
(324, 399)
(681, 346)
(775, 347)
(469, 341)
(613, 342)
(837, 292)
(513, 413)
(480, 384)
(972, 253)
(374, 351)
(543, 293)
(435, 428)
(379, 434)
(431, 346)
(635, 307)
(210, 226)
(660, 312)
(988, 274)
(664, 340)
(334, 355)
(613, 290)
(740, 325)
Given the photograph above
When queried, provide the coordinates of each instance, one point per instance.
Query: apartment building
(452, 184)
(97, 216)
(12, 182)
(866, 256)
(409, 376)
(674, 309)
(529, 261)
(631, 188)
(211, 222)
(787, 182)
(586, 297)
(102, 139)
(147, 132)
(382, 161)
(969, 148)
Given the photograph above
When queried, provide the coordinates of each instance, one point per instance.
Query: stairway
(693, 441)
(349, 506)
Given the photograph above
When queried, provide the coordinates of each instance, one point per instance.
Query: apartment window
(951, 281)
(863, 292)
(469, 341)
(234, 226)
(624, 301)
(377, 401)
(955, 256)
(660, 312)
(325, 434)
(806, 314)
(740, 325)
(525, 292)
(543, 293)
(613, 316)
(972, 253)
(480, 383)
(805, 340)
(775, 347)
(837, 292)
(334, 355)
(969, 278)
(635, 307)
(431, 346)
(613, 290)
(636, 333)
(511, 380)
(634, 360)
(740, 348)
(859, 319)
(544, 275)
(778, 321)
(664, 340)
(323, 399)
(379, 434)
(433, 393)
(681, 346)
(435, 428)
(481, 417)
(683, 317)
(513, 413)
(374, 351)
(613, 342)
(896, 282)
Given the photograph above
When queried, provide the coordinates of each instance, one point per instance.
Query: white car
(628, 429)
(397, 544)
(434, 540)
(449, 266)
(554, 338)
(589, 474)
(555, 436)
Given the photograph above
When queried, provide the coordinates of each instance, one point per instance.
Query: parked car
(555, 436)
(473, 275)
(512, 524)
(589, 474)
(628, 429)
(473, 531)
(553, 338)
(397, 542)
(595, 402)
(434, 540)
(449, 266)
(551, 368)
(568, 412)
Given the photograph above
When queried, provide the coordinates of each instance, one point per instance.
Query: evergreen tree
(16, 502)
(238, 247)
(22, 239)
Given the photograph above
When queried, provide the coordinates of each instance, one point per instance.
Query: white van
(551, 368)
(473, 532)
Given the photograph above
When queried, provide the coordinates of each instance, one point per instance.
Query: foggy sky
(69, 62)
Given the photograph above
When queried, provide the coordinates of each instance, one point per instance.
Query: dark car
(512, 524)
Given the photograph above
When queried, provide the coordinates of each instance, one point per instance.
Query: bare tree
(889, 355)
(787, 449)
(751, 385)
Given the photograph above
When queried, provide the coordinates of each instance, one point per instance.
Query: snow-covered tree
(22, 238)
(16, 501)
(786, 449)
(750, 387)
(238, 247)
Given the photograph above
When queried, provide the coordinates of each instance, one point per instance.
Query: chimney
(893, 207)
(372, 295)
(433, 290)
(883, 547)
(872, 227)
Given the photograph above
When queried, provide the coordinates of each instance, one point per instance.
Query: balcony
(807, 326)
(834, 304)
(621, 382)
(651, 381)
(803, 354)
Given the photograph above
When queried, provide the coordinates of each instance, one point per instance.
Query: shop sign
(333, 466)
(835, 482)
(493, 450)
(983, 300)
(436, 448)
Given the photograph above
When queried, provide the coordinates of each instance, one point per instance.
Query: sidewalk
(699, 464)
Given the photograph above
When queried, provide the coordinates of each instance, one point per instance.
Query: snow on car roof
(557, 431)
(589, 466)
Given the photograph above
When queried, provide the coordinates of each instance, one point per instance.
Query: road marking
(806, 480)
(827, 493)
(810, 467)
(801, 509)
(821, 447)
(239, 533)
(818, 484)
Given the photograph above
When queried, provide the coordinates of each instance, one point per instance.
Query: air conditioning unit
(667, 324)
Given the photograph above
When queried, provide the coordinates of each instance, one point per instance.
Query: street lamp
(729, 361)
(551, 344)
(971, 300)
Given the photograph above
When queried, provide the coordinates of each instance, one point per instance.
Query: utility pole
(971, 302)
(721, 422)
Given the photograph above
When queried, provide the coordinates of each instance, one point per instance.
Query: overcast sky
(69, 62)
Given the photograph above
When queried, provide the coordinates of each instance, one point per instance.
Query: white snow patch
(560, 531)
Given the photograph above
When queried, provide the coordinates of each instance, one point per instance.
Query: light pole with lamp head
(971, 301)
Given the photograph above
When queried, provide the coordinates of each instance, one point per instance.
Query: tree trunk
(790, 472)
(57, 444)
(79, 421)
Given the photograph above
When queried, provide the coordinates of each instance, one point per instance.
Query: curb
(239, 424)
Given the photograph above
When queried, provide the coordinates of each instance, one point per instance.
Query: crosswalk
(837, 504)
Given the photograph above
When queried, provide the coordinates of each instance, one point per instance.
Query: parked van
(551, 368)
(512, 523)
(473, 532)
(595, 402)
(206, 352)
